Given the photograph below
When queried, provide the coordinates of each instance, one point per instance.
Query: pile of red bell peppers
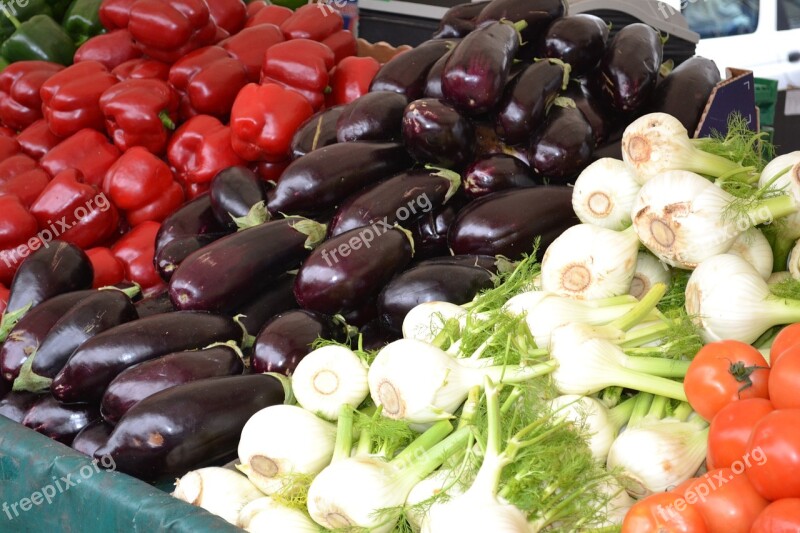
(100, 152)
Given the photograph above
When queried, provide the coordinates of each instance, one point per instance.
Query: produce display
(492, 284)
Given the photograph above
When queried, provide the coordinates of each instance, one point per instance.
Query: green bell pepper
(59, 8)
(40, 38)
(82, 20)
(20, 12)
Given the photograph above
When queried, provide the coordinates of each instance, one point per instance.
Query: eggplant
(287, 338)
(495, 173)
(485, 262)
(684, 93)
(459, 20)
(58, 421)
(374, 336)
(537, 14)
(16, 404)
(563, 146)
(456, 284)
(275, 299)
(579, 40)
(406, 73)
(628, 73)
(32, 329)
(57, 268)
(363, 314)
(318, 131)
(234, 192)
(528, 98)
(430, 231)
(92, 437)
(374, 116)
(94, 314)
(477, 71)
(433, 82)
(188, 426)
(435, 133)
(401, 199)
(599, 118)
(348, 270)
(155, 304)
(325, 177)
(138, 382)
(100, 359)
(227, 273)
(5, 388)
(509, 222)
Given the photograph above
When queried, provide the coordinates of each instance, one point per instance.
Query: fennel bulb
(683, 218)
(328, 377)
(658, 142)
(649, 271)
(776, 176)
(440, 482)
(754, 248)
(728, 299)
(592, 418)
(265, 515)
(281, 440)
(604, 193)
(419, 383)
(657, 455)
(589, 262)
(426, 320)
(218, 490)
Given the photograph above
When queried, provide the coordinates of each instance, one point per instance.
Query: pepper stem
(14, 20)
(166, 120)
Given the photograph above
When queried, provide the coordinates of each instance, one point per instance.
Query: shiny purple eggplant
(436, 134)
(563, 146)
(275, 299)
(602, 120)
(430, 231)
(509, 222)
(325, 177)
(401, 199)
(316, 132)
(579, 40)
(537, 14)
(188, 426)
(226, 274)
(138, 382)
(347, 271)
(485, 262)
(287, 338)
(90, 438)
(58, 421)
(16, 404)
(374, 336)
(374, 116)
(433, 82)
(497, 172)
(155, 304)
(233, 192)
(100, 359)
(406, 73)
(684, 93)
(459, 20)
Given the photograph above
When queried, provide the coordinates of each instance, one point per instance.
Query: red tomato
(730, 430)
(782, 516)
(723, 372)
(784, 380)
(773, 455)
(727, 501)
(665, 512)
(788, 337)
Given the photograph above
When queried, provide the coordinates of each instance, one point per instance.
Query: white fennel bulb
(265, 515)
(281, 440)
(329, 377)
(426, 320)
(754, 248)
(604, 193)
(591, 418)
(441, 481)
(218, 490)
(794, 261)
(778, 277)
(589, 262)
(776, 177)
(649, 271)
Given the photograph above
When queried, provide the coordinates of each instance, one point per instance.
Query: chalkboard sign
(735, 93)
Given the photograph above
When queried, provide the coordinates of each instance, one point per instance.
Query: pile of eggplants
(457, 160)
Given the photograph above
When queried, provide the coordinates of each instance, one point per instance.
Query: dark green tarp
(74, 495)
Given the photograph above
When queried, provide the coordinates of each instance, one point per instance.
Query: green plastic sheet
(48, 487)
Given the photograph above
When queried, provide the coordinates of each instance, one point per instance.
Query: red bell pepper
(5, 131)
(342, 44)
(9, 146)
(312, 21)
(230, 15)
(114, 14)
(11, 258)
(259, 12)
(20, 103)
(71, 98)
(22, 177)
(167, 31)
(87, 151)
(270, 171)
(199, 149)
(136, 250)
(3, 298)
(17, 224)
(208, 81)
(37, 139)
(351, 79)
(143, 186)
(249, 46)
(111, 49)
(75, 211)
(141, 69)
(264, 119)
(140, 113)
(301, 65)
(108, 270)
